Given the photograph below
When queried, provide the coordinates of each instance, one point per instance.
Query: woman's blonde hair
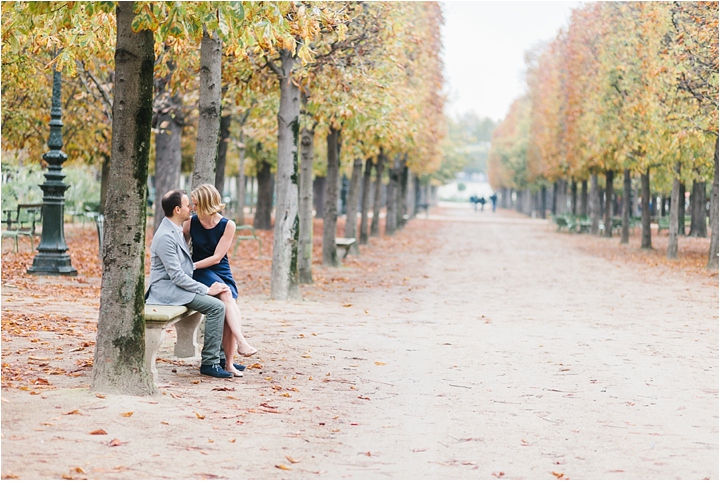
(207, 200)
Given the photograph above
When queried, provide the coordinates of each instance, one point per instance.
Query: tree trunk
(119, 361)
(573, 198)
(104, 181)
(353, 199)
(263, 210)
(555, 191)
(681, 209)
(543, 202)
(168, 156)
(391, 202)
(377, 204)
(367, 180)
(305, 240)
(403, 176)
(584, 198)
(284, 282)
(609, 175)
(646, 242)
(594, 205)
(240, 185)
(627, 190)
(329, 249)
(210, 105)
(698, 221)
(713, 254)
(672, 251)
(223, 142)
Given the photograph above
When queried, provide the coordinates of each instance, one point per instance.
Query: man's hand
(217, 288)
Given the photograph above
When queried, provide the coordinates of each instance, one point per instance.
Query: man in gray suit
(171, 281)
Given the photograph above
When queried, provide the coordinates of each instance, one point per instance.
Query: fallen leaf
(98, 432)
(255, 366)
(127, 414)
(347, 305)
(524, 443)
(79, 470)
(101, 396)
(558, 475)
(116, 442)
(196, 381)
(223, 389)
(419, 450)
(282, 466)
(498, 474)
(73, 412)
(378, 363)
(286, 394)
(200, 416)
(365, 398)
(291, 459)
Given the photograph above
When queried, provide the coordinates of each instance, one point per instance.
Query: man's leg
(214, 311)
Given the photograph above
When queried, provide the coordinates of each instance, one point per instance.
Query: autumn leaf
(292, 460)
(282, 466)
(498, 474)
(79, 470)
(200, 416)
(116, 442)
(223, 389)
(101, 396)
(73, 412)
(558, 475)
(378, 363)
(98, 432)
(127, 414)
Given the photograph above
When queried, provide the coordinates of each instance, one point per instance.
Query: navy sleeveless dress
(204, 242)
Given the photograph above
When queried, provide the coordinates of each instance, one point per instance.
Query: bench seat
(345, 243)
(157, 319)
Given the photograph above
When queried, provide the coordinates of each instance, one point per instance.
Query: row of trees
(364, 76)
(627, 88)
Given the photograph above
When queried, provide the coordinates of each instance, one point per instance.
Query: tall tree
(120, 349)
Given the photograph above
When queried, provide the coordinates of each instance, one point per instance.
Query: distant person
(171, 282)
(482, 203)
(493, 199)
(474, 199)
(212, 236)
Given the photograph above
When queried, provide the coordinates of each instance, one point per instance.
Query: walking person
(211, 235)
(171, 282)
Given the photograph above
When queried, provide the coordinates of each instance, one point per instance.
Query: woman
(211, 236)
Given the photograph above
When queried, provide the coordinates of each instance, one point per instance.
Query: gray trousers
(214, 311)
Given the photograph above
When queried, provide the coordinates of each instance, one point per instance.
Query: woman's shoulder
(229, 224)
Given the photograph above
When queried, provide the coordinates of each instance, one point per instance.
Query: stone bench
(344, 243)
(157, 319)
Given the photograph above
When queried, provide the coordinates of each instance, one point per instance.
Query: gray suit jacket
(171, 269)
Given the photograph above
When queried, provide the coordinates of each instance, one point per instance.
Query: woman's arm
(222, 248)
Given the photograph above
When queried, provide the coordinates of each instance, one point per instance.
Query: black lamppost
(52, 257)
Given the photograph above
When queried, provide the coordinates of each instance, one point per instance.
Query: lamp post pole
(52, 257)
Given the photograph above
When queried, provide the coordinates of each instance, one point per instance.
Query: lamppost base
(52, 265)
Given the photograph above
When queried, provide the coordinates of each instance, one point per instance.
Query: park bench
(22, 222)
(663, 224)
(345, 243)
(561, 222)
(251, 236)
(158, 319)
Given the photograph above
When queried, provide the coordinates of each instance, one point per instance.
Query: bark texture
(168, 156)
(223, 142)
(681, 210)
(698, 221)
(329, 249)
(367, 180)
(119, 363)
(714, 212)
(403, 179)
(305, 240)
(573, 196)
(210, 106)
(319, 197)
(672, 251)
(284, 278)
(609, 176)
(263, 210)
(353, 200)
(646, 242)
(391, 213)
(240, 182)
(584, 198)
(377, 203)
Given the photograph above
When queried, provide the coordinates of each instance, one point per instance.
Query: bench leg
(186, 344)
(154, 335)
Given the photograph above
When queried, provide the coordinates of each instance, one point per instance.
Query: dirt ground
(468, 346)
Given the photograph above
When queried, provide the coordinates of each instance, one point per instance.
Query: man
(171, 281)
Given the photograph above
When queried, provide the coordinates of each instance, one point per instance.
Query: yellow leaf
(291, 459)
(282, 466)
(200, 416)
(127, 414)
(378, 363)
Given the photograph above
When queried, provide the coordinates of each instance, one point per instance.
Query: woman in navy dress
(212, 236)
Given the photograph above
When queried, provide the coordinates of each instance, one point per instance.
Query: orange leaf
(116, 442)
(73, 412)
(282, 466)
(378, 363)
(558, 475)
(98, 432)
(200, 416)
(291, 459)
(79, 470)
(127, 414)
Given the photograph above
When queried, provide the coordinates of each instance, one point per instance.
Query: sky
(484, 45)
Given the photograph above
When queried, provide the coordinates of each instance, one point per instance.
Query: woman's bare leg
(229, 346)
(233, 320)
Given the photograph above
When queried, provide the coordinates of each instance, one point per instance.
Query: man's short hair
(171, 200)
